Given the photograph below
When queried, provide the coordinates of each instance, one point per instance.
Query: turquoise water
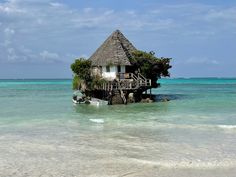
(43, 133)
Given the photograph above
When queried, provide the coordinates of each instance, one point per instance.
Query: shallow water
(43, 134)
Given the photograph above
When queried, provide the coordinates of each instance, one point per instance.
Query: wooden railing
(127, 81)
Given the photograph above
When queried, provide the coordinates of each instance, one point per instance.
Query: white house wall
(113, 71)
(109, 75)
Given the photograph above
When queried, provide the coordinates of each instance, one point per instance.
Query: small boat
(79, 98)
(92, 101)
(98, 102)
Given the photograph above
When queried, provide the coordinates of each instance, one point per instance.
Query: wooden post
(150, 93)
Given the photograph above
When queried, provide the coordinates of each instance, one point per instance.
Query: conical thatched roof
(116, 50)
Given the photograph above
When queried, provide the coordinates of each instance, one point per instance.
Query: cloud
(12, 57)
(202, 60)
(43, 26)
(88, 10)
(9, 31)
(40, 26)
(56, 4)
(222, 14)
(198, 18)
(49, 56)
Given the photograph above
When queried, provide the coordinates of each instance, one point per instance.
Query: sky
(41, 38)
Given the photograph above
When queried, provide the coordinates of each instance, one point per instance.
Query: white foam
(197, 164)
(100, 121)
(227, 126)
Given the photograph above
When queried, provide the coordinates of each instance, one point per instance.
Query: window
(107, 68)
(118, 69)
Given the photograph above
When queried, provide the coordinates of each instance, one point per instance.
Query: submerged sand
(56, 152)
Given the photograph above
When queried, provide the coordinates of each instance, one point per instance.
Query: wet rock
(147, 100)
(165, 100)
(131, 98)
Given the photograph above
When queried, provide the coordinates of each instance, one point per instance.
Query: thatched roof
(116, 50)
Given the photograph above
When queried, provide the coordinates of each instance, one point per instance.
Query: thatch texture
(116, 50)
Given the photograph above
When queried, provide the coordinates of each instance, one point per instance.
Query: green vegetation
(75, 83)
(97, 82)
(82, 68)
(83, 79)
(150, 66)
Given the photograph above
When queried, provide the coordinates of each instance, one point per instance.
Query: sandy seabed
(90, 155)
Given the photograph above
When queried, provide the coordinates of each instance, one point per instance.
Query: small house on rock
(118, 72)
(111, 61)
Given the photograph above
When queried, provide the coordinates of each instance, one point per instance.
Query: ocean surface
(43, 134)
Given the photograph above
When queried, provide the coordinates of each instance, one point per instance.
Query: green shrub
(76, 82)
(150, 66)
(82, 68)
(97, 82)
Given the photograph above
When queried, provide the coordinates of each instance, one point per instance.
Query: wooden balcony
(127, 81)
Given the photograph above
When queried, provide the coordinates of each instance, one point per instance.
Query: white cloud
(155, 11)
(46, 55)
(9, 31)
(221, 14)
(11, 55)
(202, 60)
(131, 12)
(45, 24)
(224, 18)
(108, 12)
(10, 7)
(88, 10)
(7, 38)
(57, 5)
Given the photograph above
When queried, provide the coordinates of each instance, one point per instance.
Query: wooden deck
(126, 81)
